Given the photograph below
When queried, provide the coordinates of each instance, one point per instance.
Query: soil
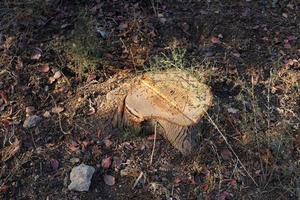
(54, 54)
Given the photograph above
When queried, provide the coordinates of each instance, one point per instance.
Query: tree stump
(174, 100)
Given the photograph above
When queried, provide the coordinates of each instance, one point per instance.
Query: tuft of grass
(84, 47)
(175, 59)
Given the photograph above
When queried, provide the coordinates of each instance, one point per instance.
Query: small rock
(109, 180)
(285, 15)
(80, 177)
(232, 110)
(46, 114)
(31, 121)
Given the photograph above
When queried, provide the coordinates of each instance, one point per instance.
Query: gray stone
(81, 178)
(31, 121)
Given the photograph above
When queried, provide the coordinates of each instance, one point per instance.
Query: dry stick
(230, 147)
(137, 180)
(59, 119)
(154, 139)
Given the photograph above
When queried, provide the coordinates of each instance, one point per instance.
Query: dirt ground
(54, 53)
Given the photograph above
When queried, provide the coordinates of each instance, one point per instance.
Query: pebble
(80, 177)
(31, 121)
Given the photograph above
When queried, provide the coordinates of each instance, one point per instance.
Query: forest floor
(248, 52)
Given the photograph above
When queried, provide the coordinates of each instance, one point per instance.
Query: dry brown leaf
(3, 189)
(57, 109)
(43, 68)
(57, 75)
(107, 142)
(266, 156)
(237, 55)
(8, 43)
(91, 77)
(51, 80)
(74, 147)
(106, 162)
(29, 110)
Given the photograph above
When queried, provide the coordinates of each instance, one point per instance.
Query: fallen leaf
(90, 78)
(108, 55)
(266, 156)
(57, 109)
(226, 154)
(92, 111)
(85, 144)
(29, 110)
(107, 142)
(204, 187)
(127, 145)
(3, 189)
(73, 146)
(233, 183)
(54, 164)
(51, 80)
(43, 68)
(57, 75)
(237, 55)
(8, 43)
(177, 180)
(106, 162)
(46, 114)
(109, 180)
(215, 40)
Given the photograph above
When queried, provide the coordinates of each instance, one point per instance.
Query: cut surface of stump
(174, 99)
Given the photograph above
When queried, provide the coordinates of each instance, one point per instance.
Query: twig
(154, 139)
(137, 180)
(59, 119)
(230, 147)
(213, 146)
